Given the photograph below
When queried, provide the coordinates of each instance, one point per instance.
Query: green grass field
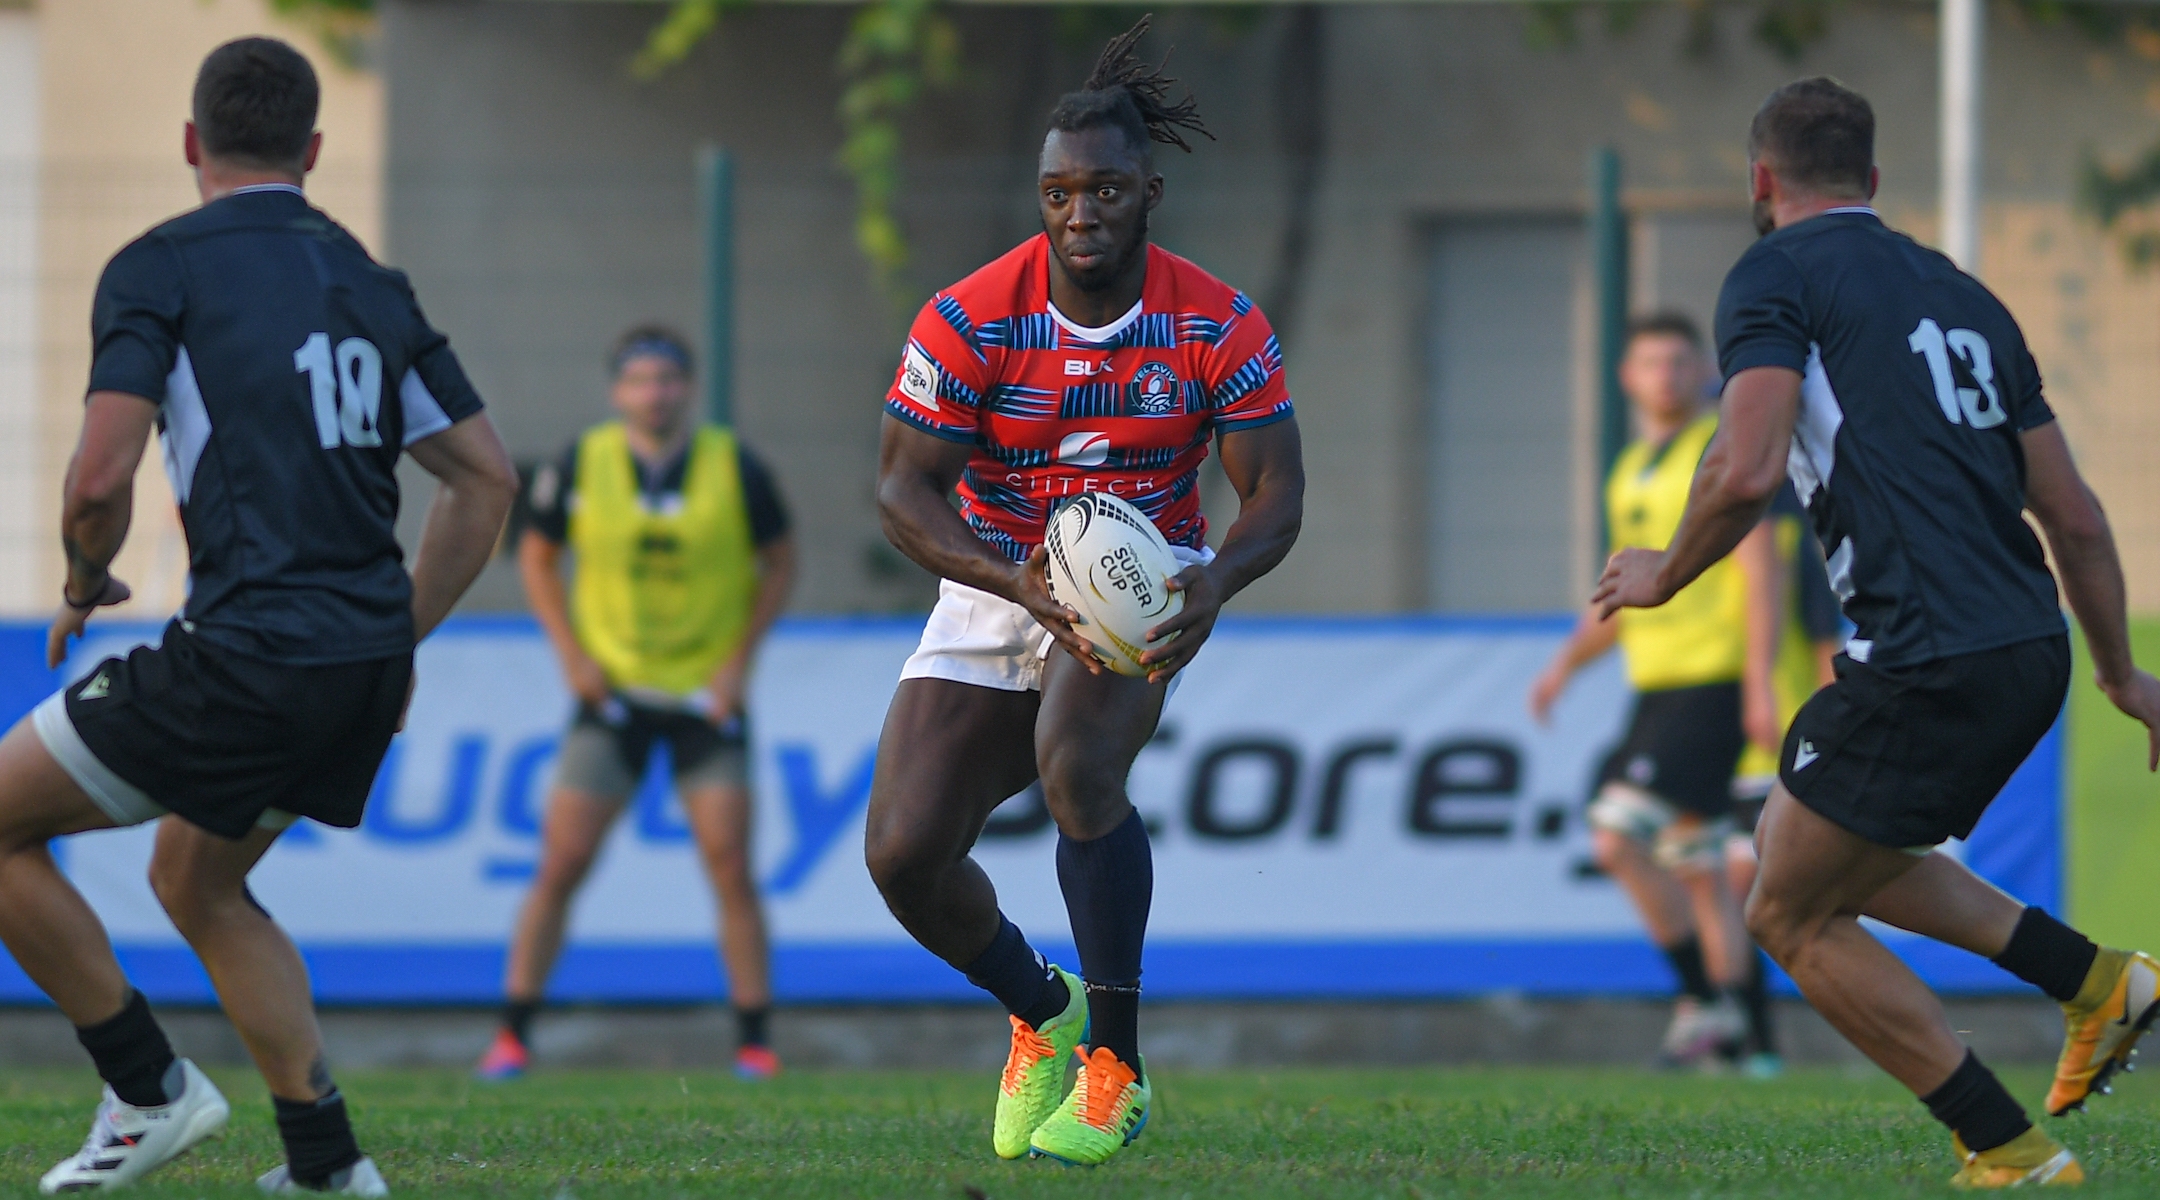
(1403, 1133)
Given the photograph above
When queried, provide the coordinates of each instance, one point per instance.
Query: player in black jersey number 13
(286, 372)
(1900, 395)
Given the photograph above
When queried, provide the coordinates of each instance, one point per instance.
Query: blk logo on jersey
(1155, 391)
(1087, 448)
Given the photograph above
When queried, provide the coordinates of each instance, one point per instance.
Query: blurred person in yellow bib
(1704, 672)
(683, 561)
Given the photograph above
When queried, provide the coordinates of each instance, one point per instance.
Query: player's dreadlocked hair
(1126, 93)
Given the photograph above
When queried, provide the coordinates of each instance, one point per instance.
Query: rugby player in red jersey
(1084, 360)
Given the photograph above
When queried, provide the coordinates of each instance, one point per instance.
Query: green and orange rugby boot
(1034, 1078)
(1106, 1109)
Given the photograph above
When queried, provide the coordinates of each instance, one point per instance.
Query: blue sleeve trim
(949, 435)
(1281, 414)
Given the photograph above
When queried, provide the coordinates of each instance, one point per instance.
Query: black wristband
(87, 605)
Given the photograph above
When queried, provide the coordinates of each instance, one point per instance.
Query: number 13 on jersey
(1960, 405)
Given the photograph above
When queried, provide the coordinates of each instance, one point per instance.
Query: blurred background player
(1810, 630)
(682, 564)
(1900, 395)
(1701, 669)
(287, 372)
(1086, 359)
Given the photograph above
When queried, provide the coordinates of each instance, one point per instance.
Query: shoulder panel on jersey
(1241, 304)
(424, 415)
(949, 387)
(957, 317)
(1244, 381)
(1812, 461)
(187, 426)
(1193, 328)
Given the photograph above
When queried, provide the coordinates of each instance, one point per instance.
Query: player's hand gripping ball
(1110, 564)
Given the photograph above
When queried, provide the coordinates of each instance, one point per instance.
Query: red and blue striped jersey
(1054, 410)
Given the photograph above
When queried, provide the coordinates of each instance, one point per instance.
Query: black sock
(1755, 1001)
(750, 1026)
(2048, 954)
(131, 1053)
(1022, 981)
(1973, 1103)
(1108, 884)
(518, 1018)
(1687, 962)
(318, 1138)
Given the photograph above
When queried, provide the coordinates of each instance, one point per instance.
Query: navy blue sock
(1109, 883)
(1011, 970)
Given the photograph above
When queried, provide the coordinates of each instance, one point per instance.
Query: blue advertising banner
(1340, 808)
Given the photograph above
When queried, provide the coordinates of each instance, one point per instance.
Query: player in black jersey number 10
(286, 372)
(1899, 394)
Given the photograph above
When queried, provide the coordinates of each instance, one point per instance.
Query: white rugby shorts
(989, 641)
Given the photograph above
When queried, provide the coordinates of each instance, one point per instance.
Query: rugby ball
(1109, 563)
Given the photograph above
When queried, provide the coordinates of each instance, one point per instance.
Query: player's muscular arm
(1739, 476)
(916, 472)
(95, 508)
(478, 484)
(1266, 466)
(540, 569)
(2077, 531)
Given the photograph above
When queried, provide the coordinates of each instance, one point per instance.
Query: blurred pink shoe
(504, 1060)
(756, 1062)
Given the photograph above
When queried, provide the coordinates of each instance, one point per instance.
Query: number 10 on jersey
(346, 388)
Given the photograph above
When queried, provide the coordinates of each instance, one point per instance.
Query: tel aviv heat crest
(1154, 392)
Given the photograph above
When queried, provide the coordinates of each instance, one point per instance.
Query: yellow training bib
(661, 598)
(1700, 635)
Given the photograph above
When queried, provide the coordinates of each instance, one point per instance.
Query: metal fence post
(716, 210)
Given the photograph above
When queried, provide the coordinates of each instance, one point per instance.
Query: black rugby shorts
(1682, 746)
(220, 738)
(1911, 756)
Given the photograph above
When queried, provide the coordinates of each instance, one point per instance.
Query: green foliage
(687, 23)
(344, 27)
(2104, 21)
(894, 50)
(1786, 27)
(2108, 194)
(1789, 27)
(1551, 24)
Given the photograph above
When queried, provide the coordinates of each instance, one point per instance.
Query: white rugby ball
(1108, 562)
